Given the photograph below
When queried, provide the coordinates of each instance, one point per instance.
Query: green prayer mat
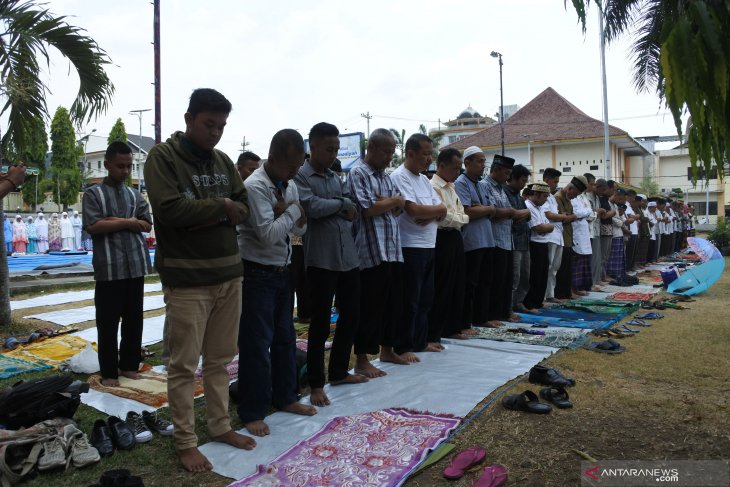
(434, 457)
(10, 366)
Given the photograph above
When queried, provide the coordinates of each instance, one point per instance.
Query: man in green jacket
(197, 198)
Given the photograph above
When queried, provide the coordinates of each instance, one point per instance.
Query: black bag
(30, 402)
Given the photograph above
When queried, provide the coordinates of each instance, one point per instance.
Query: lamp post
(139, 113)
(501, 96)
(529, 159)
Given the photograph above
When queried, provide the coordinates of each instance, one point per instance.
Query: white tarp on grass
(68, 297)
(450, 382)
(151, 331)
(72, 316)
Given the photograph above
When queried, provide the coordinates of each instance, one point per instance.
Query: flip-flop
(660, 306)
(626, 329)
(492, 476)
(527, 401)
(649, 316)
(636, 322)
(556, 395)
(608, 346)
(463, 461)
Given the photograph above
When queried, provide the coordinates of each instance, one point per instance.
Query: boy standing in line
(115, 216)
(197, 199)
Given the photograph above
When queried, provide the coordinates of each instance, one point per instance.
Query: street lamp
(496, 54)
(139, 113)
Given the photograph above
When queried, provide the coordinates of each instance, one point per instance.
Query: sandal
(527, 401)
(626, 329)
(463, 461)
(492, 476)
(556, 395)
(609, 346)
(637, 322)
(649, 316)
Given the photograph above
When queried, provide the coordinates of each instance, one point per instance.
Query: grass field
(666, 397)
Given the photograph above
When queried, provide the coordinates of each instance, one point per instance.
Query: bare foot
(365, 368)
(257, 428)
(350, 379)
(388, 355)
(236, 440)
(299, 408)
(469, 332)
(459, 336)
(434, 347)
(319, 398)
(533, 311)
(554, 300)
(410, 357)
(193, 460)
(130, 374)
(514, 318)
(494, 324)
(110, 382)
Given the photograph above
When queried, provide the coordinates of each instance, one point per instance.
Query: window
(700, 208)
(98, 164)
(594, 168)
(567, 169)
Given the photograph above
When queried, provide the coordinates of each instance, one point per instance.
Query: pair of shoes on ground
(118, 478)
(547, 376)
(492, 475)
(608, 346)
(72, 448)
(530, 403)
(123, 435)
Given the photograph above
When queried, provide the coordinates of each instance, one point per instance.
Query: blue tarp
(30, 262)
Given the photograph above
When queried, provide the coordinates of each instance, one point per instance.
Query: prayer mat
(639, 288)
(52, 351)
(631, 296)
(151, 389)
(573, 314)
(379, 448)
(67, 297)
(10, 366)
(232, 369)
(553, 337)
(568, 323)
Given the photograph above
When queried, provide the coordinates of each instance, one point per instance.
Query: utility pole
(606, 148)
(139, 145)
(368, 117)
(244, 144)
(158, 86)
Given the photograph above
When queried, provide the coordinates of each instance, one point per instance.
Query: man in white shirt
(653, 231)
(540, 228)
(555, 239)
(632, 220)
(418, 225)
(267, 372)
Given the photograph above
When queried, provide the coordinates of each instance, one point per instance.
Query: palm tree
(26, 31)
(400, 144)
(682, 51)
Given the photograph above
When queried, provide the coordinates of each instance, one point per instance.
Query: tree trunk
(4, 284)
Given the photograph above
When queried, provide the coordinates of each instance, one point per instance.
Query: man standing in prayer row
(540, 228)
(632, 219)
(418, 225)
(642, 247)
(267, 370)
(500, 289)
(590, 200)
(581, 280)
(331, 260)
(555, 239)
(478, 239)
(446, 318)
(604, 190)
(651, 253)
(616, 264)
(520, 238)
(564, 198)
(381, 261)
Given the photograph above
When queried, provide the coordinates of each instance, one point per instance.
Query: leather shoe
(101, 438)
(549, 377)
(130, 481)
(110, 478)
(121, 434)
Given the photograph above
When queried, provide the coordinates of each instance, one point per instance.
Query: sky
(291, 64)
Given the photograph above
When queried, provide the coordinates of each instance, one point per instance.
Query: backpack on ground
(30, 402)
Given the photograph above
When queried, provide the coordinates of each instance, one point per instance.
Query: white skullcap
(470, 151)
(642, 196)
(652, 204)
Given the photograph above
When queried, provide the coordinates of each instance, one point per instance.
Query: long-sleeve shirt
(329, 242)
(581, 227)
(478, 232)
(502, 229)
(264, 238)
(455, 216)
(521, 228)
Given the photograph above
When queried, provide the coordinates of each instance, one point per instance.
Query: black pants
(651, 252)
(678, 239)
(381, 303)
(500, 286)
(476, 291)
(564, 277)
(117, 300)
(446, 317)
(539, 265)
(299, 283)
(324, 285)
(418, 267)
(631, 252)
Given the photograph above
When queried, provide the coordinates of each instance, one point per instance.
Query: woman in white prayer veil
(41, 229)
(76, 222)
(67, 233)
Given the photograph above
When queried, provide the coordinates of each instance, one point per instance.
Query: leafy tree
(33, 153)
(118, 133)
(400, 144)
(65, 154)
(649, 186)
(681, 50)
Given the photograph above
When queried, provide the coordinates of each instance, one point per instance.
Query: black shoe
(111, 477)
(101, 438)
(129, 481)
(549, 377)
(121, 434)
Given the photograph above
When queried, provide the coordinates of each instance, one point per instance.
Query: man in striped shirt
(377, 239)
(115, 216)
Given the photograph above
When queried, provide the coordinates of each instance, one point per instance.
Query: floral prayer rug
(621, 296)
(52, 351)
(10, 366)
(373, 449)
(558, 338)
(151, 389)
